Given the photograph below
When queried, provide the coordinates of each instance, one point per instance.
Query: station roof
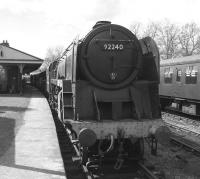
(10, 55)
(181, 60)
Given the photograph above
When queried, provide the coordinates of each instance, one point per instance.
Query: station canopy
(14, 64)
(10, 55)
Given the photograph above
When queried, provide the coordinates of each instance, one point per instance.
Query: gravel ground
(175, 162)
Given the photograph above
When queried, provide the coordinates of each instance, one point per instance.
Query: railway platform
(29, 145)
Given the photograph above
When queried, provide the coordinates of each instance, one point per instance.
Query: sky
(33, 26)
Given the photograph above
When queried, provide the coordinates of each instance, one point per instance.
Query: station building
(14, 64)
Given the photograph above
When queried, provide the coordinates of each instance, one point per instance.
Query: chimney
(5, 43)
(100, 23)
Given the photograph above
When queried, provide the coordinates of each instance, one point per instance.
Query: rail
(185, 143)
(148, 174)
(174, 124)
(178, 139)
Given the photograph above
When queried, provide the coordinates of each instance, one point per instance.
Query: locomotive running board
(130, 127)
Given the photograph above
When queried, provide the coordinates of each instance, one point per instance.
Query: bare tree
(136, 28)
(189, 39)
(165, 34)
(54, 53)
(152, 30)
(172, 40)
(51, 55)
(168, 40)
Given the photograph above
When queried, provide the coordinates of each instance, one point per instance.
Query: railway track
(182, 123)
(180, 140)
(191, 146)
(74, 170)
(136, 170)
(139, 171)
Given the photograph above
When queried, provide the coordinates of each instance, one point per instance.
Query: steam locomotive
(105, 91)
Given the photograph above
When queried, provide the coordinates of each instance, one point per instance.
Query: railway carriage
(180, 84)
(40, 82)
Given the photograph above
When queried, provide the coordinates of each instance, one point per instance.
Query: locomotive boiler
(106, 94)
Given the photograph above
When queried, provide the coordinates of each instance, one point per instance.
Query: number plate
(110, 46)
(114, 45)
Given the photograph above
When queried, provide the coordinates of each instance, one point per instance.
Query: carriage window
(191, 75)
(168, 73)
(178, 75)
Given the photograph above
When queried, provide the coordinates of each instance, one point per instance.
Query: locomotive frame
(109, 114)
